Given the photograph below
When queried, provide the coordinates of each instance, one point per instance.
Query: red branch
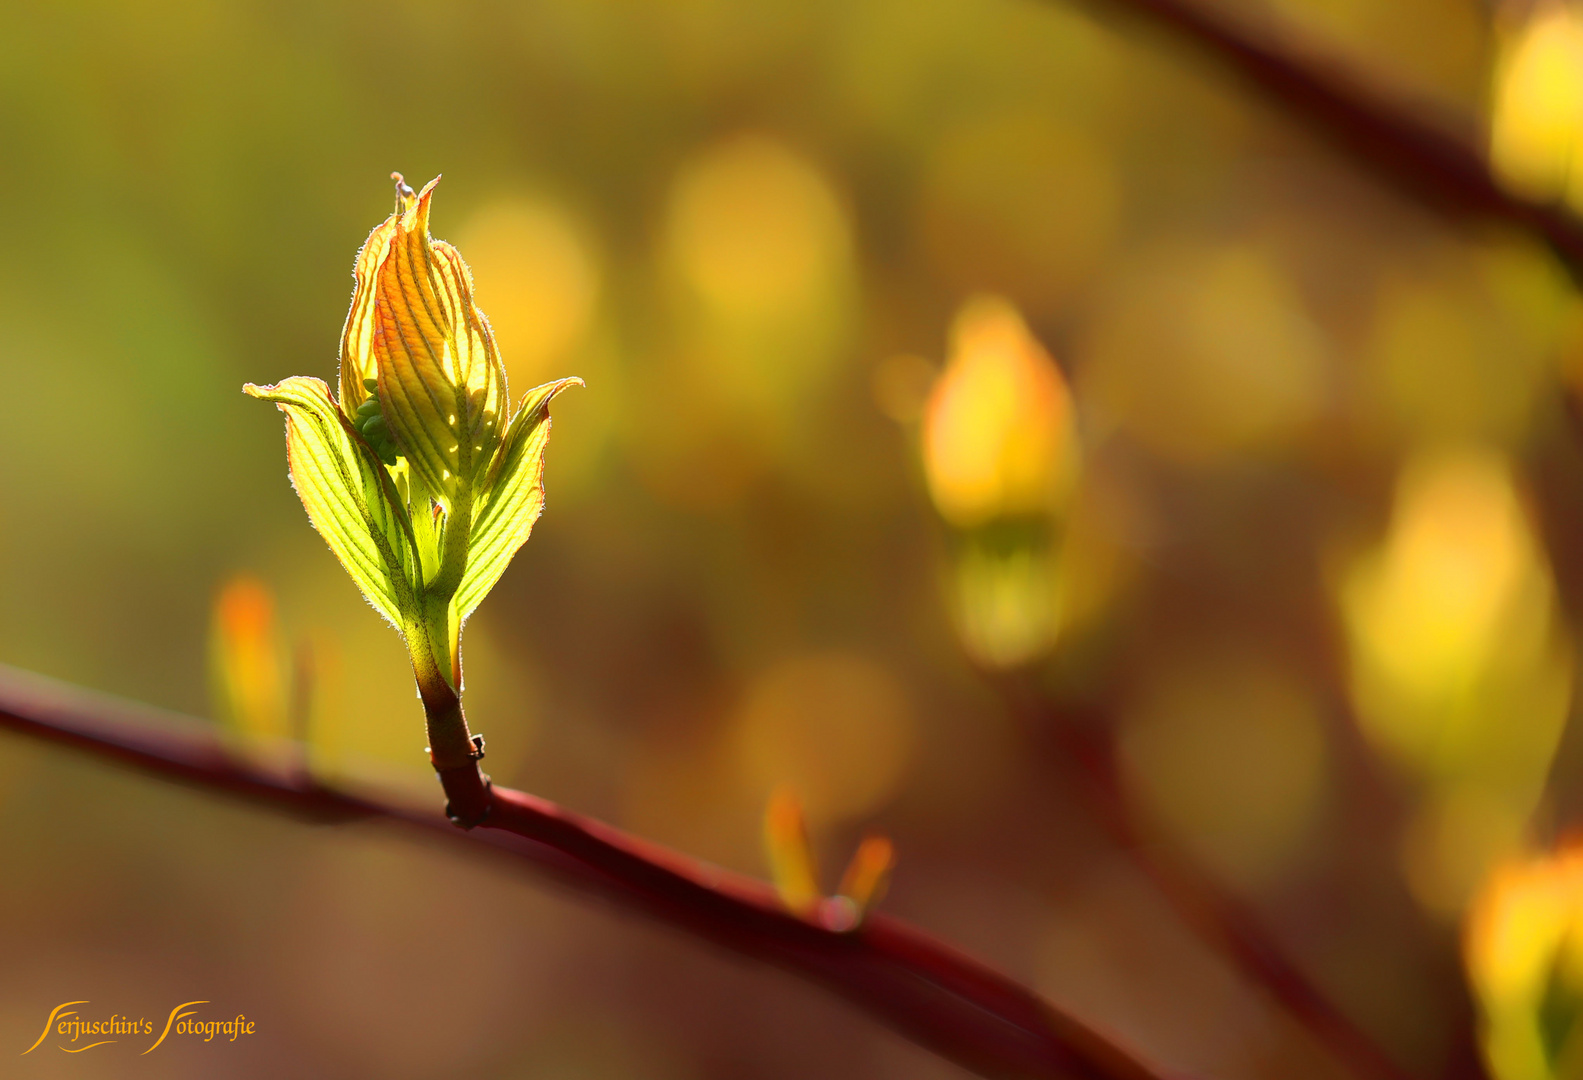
(1392, 140)
(922, 988)
(1228, 924)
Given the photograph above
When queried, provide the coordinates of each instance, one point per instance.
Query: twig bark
(1392, 140)
(922, 988)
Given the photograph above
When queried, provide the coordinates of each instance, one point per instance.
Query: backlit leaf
(513, 497)
(346, 493)
(442, 387)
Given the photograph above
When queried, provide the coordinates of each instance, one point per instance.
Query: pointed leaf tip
(343, 493)
(414, 325)
(513, 496)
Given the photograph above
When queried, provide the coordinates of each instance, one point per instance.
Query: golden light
(536, 275)
(756, 229)
(834, 727)
(998, 434)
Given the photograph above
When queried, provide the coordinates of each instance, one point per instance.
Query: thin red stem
(899, 975)
(1230, 925)
(1393, 140)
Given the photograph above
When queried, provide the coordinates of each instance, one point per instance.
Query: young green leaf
(347, 493)
(513, 497)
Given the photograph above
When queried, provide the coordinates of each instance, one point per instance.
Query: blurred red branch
(1393, 141)
(1446, 172)
(922, 988)
(1231, 926)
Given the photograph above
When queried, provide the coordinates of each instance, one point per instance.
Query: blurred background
(924, 343)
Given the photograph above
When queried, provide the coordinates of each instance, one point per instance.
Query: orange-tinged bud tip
(998, 428)
(414, 330)
(868, 874)
(790, 853)
(246, 664)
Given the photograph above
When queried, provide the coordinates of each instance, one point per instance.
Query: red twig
(1395, 142)
(1446, 172)
(923, 989)
(1230, 925)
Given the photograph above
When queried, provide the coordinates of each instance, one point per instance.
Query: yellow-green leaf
(346, 493)
(513, 497)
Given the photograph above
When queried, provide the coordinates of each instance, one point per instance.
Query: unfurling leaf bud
(419, 477)
(414, 336)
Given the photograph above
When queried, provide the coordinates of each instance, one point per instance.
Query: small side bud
(868, 874)
(790, 854)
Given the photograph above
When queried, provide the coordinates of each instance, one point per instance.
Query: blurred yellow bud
(1459, 588)
(1523, 947)
(248, 675)
(1461, 667)
(998, 436)
(1536, 138)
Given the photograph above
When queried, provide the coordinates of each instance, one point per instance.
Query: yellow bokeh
(756, 229)
(1204, 354)
(1227, 752)
(1461, 358)
(834, 727)
(1536, 137)
(998, 436)
(758, 253)
(536, 279)
(1458, 590)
